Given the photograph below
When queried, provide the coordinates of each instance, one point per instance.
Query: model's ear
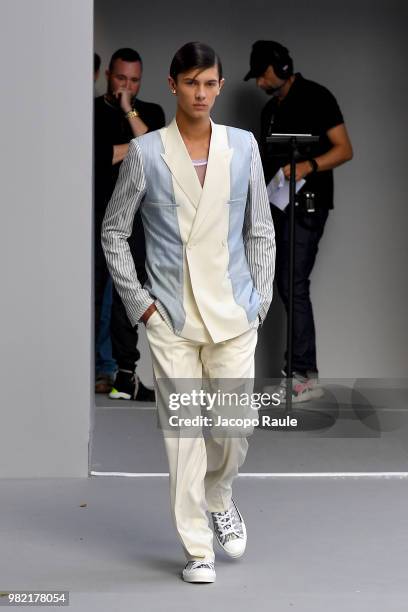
(222, 81)
(172, 84)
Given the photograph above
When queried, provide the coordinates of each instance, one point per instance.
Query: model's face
(196, 91)
(269, 82)
(124, 75)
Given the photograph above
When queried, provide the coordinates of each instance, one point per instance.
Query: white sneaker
(230, 531)
(303, 388)
(199, 571)
(314, 384)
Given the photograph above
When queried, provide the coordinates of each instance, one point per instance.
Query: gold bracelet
(132, 113)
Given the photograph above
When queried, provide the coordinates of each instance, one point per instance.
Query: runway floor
(326, 512)
(315, 544)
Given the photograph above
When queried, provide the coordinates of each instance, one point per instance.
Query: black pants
(309, 229)
(123, 335)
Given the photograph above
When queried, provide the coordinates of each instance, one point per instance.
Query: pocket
(153, 320)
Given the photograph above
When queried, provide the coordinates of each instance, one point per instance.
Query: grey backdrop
(359, 286)
(359, 51)
(46, 203)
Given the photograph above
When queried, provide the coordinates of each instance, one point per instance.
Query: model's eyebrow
(186, 79)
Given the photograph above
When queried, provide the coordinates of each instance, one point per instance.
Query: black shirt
(112, 128)
(308, 108)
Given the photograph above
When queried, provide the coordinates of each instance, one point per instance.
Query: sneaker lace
(227, 524)
(197, 564)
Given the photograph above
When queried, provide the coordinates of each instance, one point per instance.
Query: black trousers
(309, 229)
(123, 335)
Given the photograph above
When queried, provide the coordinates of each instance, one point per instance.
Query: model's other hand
(148, 313)
(125, 99)
(302, 170)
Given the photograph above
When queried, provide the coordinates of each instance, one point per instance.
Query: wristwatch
(132, 113)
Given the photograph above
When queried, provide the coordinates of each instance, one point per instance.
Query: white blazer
(210, 251)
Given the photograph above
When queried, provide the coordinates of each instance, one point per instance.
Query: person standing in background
(119, 117)
(299, 106)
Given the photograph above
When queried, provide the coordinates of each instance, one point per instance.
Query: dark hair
(97, 62)
(194, 55)
(126, 55)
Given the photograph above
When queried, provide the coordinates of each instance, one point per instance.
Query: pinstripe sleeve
(116, 229)
(259, 233)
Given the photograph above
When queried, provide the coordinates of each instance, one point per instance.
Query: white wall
(46, 163)
(359, 51)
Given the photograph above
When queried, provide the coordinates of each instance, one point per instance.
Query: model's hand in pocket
(148, 313)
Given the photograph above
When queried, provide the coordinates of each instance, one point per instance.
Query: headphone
(282, 62)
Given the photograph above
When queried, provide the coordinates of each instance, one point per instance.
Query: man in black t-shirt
(118, 118)
(299, 106)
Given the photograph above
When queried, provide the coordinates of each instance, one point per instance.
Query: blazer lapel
(217, 178)
(179, 163)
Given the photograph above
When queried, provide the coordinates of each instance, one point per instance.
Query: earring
(173, 91)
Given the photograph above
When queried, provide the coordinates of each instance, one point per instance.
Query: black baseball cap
(264, 53)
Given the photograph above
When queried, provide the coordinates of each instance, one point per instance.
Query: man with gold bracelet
(119, 117)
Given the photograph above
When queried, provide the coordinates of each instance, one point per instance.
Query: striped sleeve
(259, 234)
(116, 229)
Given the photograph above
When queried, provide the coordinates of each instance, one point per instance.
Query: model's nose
(200, 93)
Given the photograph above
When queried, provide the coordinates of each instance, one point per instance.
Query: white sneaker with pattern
(230, 531)
(199, 571)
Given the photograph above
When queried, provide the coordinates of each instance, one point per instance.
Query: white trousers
(201, 468)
